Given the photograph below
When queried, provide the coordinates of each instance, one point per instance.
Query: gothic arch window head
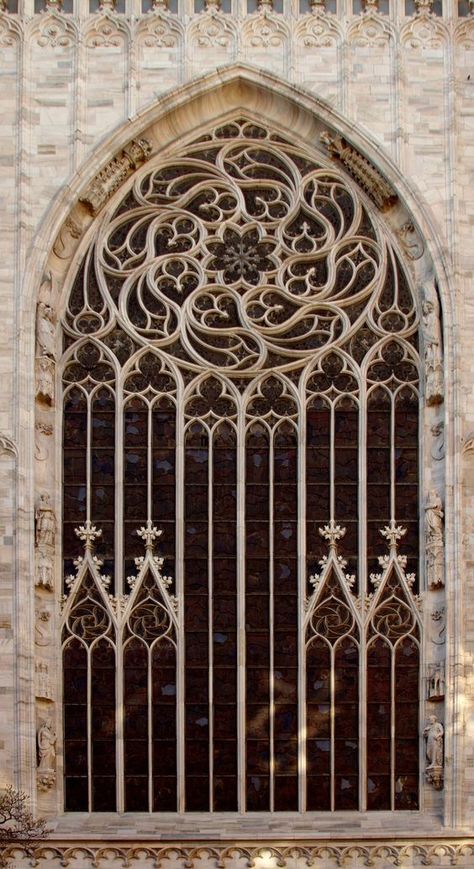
(241, 397)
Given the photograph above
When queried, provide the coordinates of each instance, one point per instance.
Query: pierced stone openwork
(240, 369)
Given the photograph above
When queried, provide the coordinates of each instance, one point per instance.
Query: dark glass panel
(136, 793)
(76, 795)
(406, 724)
(164, 702)
(197, 793)
(165, 795)
(286, 793)
(318, 798)
(225, 793)
(258, 793)
(103, 734)
(378, 792)
(346, 792)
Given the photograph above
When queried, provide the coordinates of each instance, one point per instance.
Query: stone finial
(424, 7)
(366, 175)
(332, 533)
(393, 533)
(149, 534)
(88, 533)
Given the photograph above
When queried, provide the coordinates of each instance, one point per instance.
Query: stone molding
(351, 854)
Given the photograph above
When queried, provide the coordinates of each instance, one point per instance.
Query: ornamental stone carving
(45, 371)
(434, 388)
(45, 521)
(435, 681)
(46, 745)
(361, 170)
(434, 736)
(43, 627)
(112, 176)
(434, 540)
(45, 330)
(411, 241)
(44, 570)
(43, 683)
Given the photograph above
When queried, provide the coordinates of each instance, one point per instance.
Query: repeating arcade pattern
(240, 369)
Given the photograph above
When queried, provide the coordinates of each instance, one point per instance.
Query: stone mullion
(303, 577)
(179, 572)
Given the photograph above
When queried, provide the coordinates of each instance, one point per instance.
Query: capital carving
(366, 175)
(112, 176)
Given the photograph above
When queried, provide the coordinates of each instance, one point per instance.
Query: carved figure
(44, 571)
(410, 240)
(46, 739)
(44, 688)
(45, 521)
(42, 628)
(435, 681)
(434, 540)
(45, 330)
(433, 356)
(434, 735)
(115, 172)
(45, 378)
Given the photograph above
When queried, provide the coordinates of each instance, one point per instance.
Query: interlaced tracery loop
(240, 255)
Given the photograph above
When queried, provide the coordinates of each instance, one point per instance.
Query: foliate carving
(159, 29)
(212, 30)
(434, 736)
(112, 176)
(464, 31)
(423, 31)
(434, 540)
(370, 28)
(361, 170)
(45, 373)
(54, 30)
(411, 241)
(43, 682)
(106, 30)
(43, 627)
(7, 446)
(10, 30)
(264, 30)
(435, 681)
(46, 743)
(320, 30)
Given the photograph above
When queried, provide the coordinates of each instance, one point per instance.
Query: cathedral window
(240, 394)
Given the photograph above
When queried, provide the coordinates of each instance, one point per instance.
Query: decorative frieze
(113, 175)
(366, 175)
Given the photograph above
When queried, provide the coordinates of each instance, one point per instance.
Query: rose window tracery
(240, 370)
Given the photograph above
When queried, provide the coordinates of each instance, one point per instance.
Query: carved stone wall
(78, 93)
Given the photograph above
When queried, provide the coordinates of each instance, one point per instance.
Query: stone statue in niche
(434, 540)
(43, 628)
(45, 521)
(43, 684)
(44, 570)
(46, 742)
(434, 735)
(435, 682)
(45, 330)
(432, 349)
(45, 373)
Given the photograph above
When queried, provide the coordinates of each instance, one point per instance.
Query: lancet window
(240, 394)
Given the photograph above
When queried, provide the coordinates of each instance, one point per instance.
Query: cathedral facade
(236, 431)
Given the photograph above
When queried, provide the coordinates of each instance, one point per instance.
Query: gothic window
(240, 493)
